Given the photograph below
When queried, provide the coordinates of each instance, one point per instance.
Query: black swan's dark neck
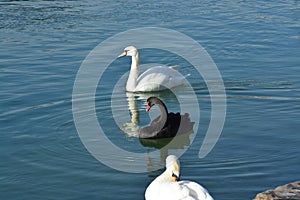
(163, 111)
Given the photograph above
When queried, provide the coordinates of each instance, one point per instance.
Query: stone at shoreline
(290, 191)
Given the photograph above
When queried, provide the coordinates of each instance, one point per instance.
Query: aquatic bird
(154, 79)
(168, 187)
(167, 124)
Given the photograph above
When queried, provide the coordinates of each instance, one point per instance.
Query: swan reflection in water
(131, 128)
(164, 145)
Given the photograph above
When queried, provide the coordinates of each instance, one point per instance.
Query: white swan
(153, 79)
(167, 187)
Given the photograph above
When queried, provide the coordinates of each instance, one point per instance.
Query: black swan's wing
(176, 124)
(152, 130)
(186, 125)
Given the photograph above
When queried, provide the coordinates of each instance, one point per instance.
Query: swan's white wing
(165, 191)
(182, 190)
(159, 78)
(194, 190)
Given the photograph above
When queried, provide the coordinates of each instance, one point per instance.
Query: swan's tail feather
(187, 75)
(175, 67)
(184, 78)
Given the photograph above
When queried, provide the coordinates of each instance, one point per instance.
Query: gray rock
(290, 191)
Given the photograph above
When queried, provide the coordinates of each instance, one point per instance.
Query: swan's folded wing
(157, 78)
(182, 190)
(194, 190)
(167, 191)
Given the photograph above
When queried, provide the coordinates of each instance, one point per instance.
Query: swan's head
(173, 167)
(129, 51)
(151, 101)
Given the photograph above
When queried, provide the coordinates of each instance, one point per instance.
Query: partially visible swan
(153, 79)
(167, 187)
(167, 124)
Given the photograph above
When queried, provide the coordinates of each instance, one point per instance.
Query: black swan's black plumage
(167, 124)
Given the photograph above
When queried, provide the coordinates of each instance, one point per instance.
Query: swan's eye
(125, 51)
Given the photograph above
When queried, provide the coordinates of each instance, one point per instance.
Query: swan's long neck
(163, 111)
(134, 73)
(164, 177)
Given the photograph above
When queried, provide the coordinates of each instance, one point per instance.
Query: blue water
(255, 45)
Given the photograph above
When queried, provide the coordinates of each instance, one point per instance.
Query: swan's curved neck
(164, 177)
(163, 111)
(134, 73)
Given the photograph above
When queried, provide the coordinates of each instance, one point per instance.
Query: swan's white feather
(182, 190)
(195, 190)
(153, 79)
(164, 187)
(159, 78)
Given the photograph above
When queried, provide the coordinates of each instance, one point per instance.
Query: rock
(290, 191)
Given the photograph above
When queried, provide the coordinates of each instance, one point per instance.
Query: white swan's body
(153, 79)
(166, 187)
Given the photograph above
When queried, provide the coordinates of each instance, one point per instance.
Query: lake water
(255, 46)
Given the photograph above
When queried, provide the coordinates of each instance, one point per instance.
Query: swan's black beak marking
(176, 177)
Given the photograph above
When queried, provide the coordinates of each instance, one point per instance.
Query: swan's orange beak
(148, 108)
(122, 54)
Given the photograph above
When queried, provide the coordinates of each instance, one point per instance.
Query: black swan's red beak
(148, 108)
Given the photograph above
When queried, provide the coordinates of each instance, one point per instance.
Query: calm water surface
(255, 45)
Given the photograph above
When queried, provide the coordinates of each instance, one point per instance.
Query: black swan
(167, 124)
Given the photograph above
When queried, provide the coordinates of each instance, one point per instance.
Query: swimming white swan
(167, 187)
(153, 79)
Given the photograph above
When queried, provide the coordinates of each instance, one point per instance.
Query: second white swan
(168, 187)
(154, 79)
